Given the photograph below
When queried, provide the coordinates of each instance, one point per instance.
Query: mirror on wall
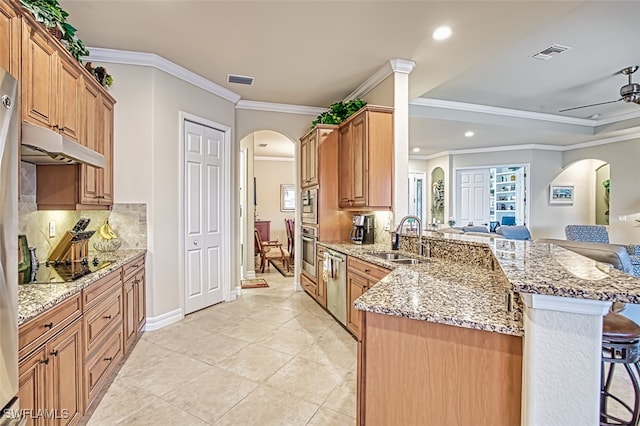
(437, 195)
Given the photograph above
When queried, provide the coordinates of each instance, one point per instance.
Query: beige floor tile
(269, 407)
(215, 348)
(343, 398)
(144, 355)
(119, 402)
(307, 323)
(161, 413)
(180, 338)
(326, 417)
(274, 317)
(307, 380)
(210, 395)
(255, 362)
(291, 342)
(332, 352)
(250, 331)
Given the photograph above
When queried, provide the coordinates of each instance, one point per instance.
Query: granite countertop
(36, 298)
(439, 291)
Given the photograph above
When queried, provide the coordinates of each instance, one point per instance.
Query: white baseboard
(251, 274)
(163, 320)
(235, 292)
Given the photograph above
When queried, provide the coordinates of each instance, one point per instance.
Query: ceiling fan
(629, 92)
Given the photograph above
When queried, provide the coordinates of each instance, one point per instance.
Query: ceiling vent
(550, 52)
(240, 79)
(263, 145)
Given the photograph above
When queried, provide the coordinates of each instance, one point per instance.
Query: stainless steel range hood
(40, 145)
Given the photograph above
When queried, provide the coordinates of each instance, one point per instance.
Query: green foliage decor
(339, 112)
(50, 14)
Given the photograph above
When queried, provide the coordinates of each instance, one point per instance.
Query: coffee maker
(362, 231)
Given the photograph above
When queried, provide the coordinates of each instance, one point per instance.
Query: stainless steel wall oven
(309, 240)
(309, 206)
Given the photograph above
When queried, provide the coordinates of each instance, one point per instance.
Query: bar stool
(620, 345)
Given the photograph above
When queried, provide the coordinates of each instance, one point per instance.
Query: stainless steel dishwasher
(335, 268)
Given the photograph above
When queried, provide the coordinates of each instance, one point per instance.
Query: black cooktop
(61, 272)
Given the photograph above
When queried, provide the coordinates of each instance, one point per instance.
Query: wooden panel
(89, 138)
(133, 267)
(380, 155)
(356, 287)
(31, 384)
(56, 185)
(129, 319)
(308, 284)
(70, 93)
(372, 272)
(141, 300)
(360, 181)
(94, 292)
(102, 319)
(421, 373)
(36, 331)
(106, 174)
(345, 172)
(10, 39)
(99, 365)
(64, 373)
(321, 283)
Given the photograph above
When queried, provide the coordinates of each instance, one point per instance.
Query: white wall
(147, 153)
(269, 176)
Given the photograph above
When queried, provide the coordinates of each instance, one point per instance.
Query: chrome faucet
(421, 245)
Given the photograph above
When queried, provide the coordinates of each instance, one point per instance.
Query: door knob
(195, 243)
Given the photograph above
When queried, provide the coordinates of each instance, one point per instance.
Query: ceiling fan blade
(587, 106)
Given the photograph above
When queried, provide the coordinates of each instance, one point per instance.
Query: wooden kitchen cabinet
(50, 379)
(133, 292)
(365, 166)
(10, 39)
(321, 283)
(361, 276)
(69, 95)
(309, 159)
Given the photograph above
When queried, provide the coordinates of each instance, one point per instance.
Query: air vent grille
(240, 79)
(550, 52)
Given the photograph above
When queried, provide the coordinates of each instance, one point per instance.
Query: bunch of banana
(106, 232)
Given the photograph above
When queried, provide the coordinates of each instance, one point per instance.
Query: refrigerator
(8, 245)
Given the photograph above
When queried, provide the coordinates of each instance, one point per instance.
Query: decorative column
(561, 362)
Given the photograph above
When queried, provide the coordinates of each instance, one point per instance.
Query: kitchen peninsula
(504, 332)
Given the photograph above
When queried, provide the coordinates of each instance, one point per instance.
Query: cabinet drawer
(102, 319)
(373, 272)
(308, 284)
(133, 267)
(101, 364)
(320, 250)
(94, 292)
(36, 331)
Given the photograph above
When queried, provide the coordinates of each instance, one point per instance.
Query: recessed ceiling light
(469, 134)
(416, 149)
(442, 33)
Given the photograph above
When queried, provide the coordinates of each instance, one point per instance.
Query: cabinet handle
(136, 266)
(107, 317)
(367, 270)
(55, 126)
(109, 358)
(44, 361)
(54, 352)
(49, 325)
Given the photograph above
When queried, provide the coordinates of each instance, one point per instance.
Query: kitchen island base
(417, 372)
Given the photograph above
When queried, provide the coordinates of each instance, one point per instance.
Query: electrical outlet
(387, 225)
(52, 229)
(622, 218)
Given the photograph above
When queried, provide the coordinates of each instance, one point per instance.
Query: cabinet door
(359, 159)
(9, 39)
(64, 375)
(345, 183)
(39, 78)
(312, 160)
(31, 385)
(356, 286)
(90, 138)
(129, 323)
(321, 284)
(70, 105)
(106, 139)
(304, 161)
(140, 299)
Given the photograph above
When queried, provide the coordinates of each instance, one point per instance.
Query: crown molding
(402, 65)
(486, 109)
(543, 147)
(275, 107)
(125, 57)
(261, 158)
(617, 118)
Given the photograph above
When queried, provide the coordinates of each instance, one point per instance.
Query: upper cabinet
(9, 39)
(309, 159)
(365, 163)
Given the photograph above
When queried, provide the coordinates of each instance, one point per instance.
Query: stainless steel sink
(389, 255)
(407, 261)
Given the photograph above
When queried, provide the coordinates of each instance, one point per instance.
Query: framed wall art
(561, 194)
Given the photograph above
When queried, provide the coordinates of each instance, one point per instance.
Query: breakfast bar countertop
(36, 298)
(439, 291)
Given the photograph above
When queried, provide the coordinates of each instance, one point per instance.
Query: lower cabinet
(68, 352)
(361, 276)
(50, 380)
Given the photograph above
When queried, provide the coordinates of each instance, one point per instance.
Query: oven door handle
(308, 239)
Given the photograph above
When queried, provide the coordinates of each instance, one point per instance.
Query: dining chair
(269, 250)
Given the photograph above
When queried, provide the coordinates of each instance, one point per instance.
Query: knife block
(68, 249)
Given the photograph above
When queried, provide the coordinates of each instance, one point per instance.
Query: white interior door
(203, 216)
(473, 197)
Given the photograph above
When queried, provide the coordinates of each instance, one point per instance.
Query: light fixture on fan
(629, 92)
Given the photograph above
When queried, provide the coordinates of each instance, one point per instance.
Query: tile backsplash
(129, 221)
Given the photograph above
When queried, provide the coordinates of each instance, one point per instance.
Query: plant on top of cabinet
(100, 74)
(339, 112)
(50, 14)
